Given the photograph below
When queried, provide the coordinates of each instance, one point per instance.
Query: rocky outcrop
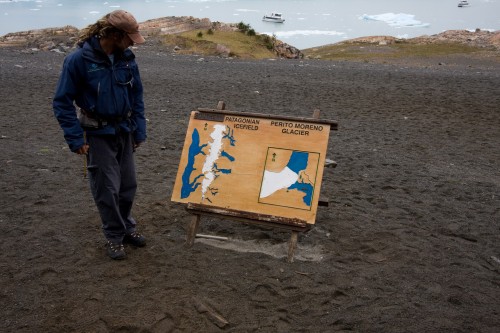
(63, 39)
(67, 36)
(283, 50)
(477, 38)
(173, 25)
(60, 39)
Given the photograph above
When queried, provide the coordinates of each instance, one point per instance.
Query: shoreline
(49, 38)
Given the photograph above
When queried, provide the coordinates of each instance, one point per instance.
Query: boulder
(284, 50)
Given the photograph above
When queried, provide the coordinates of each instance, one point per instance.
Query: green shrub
(243, 27)
(268, 41)
(200, 34)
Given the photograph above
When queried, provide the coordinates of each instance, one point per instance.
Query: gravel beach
(409, 241)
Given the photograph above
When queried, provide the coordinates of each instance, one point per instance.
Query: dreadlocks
(102, 28)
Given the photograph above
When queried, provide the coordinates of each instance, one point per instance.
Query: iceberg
(400, 20)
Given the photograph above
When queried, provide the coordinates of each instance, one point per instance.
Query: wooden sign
(256, 163)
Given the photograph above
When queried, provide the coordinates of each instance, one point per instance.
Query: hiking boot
(115, 250)
(135, 239)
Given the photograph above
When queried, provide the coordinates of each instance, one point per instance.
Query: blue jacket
(109, 92)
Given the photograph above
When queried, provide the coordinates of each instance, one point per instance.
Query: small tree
(200, 34)
(269, 41)
(243, 27)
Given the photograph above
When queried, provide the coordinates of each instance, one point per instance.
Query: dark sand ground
(409, 243)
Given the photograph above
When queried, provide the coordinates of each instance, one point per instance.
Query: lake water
(308, 23)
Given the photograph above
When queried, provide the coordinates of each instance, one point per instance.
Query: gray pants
(113, 184)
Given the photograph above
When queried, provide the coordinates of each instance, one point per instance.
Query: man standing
(107, 124)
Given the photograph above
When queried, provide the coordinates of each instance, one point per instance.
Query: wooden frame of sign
(255, 168)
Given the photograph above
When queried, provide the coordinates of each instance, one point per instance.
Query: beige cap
(125, 21)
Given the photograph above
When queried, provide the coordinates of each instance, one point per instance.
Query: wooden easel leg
(291, 245)
(192, 228)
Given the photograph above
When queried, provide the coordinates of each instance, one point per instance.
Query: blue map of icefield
(289, 181)
(212, 151)
(293, 177)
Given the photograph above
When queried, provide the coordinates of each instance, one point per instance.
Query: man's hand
(82, 150)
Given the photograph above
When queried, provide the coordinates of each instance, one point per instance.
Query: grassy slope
(367, 52)
(239, 44)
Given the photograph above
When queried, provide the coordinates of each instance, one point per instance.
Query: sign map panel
(253, 163)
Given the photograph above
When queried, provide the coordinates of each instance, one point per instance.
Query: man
(102, 78)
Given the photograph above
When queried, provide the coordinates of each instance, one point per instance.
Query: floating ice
(400, 20)
(291, 33)
(246, 10)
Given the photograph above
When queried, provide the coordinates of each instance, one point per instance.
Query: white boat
(273, 17)
(463, 3)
